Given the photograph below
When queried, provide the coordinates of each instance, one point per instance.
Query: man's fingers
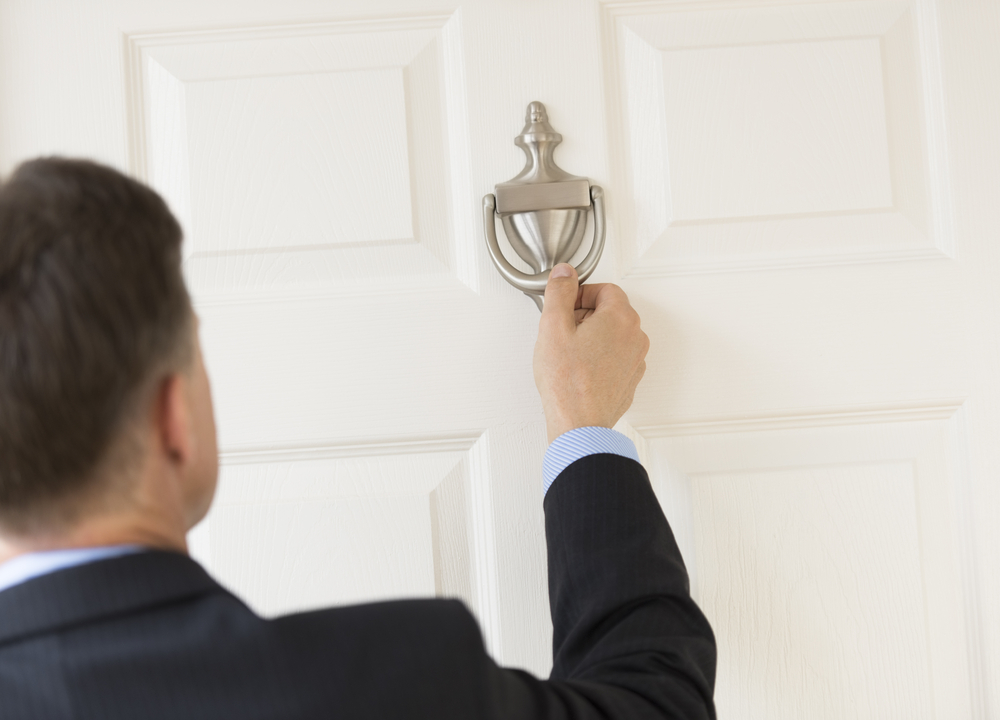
(561, 294)
(582, 314)
(594, 296)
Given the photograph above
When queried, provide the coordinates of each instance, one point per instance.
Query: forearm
(621, 608)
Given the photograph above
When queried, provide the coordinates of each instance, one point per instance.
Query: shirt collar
(31, 565)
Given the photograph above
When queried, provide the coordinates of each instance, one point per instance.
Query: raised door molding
(840, 549)
(754, 136)
(308, 158)
(312, 525)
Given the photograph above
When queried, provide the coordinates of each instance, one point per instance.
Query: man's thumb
(561, 292)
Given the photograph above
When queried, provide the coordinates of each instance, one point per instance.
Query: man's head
(104, 402)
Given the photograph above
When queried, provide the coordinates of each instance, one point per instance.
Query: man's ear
(173, 420)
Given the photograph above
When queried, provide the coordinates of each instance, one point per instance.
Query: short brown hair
(92, 305)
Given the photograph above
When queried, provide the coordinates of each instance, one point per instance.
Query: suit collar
(103, 588)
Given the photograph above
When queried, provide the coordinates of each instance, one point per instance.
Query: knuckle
(616, 294)
(621, 293)
(630, 323)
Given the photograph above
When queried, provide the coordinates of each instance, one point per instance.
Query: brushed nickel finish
(543, 211)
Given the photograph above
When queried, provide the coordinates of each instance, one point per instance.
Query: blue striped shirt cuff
(579, 443)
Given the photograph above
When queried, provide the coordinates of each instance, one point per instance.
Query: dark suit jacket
(153, 636)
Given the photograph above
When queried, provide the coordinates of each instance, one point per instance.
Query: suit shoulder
(427, 609)
(390, 659)
(426, 623)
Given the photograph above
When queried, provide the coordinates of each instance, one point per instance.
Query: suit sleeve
(628, 640)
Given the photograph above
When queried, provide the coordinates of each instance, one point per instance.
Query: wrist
(555, 428)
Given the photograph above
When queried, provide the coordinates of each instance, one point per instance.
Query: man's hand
(590, 353)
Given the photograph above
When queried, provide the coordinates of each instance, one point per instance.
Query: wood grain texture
(822, 589)
(841, 539)
(970, 57)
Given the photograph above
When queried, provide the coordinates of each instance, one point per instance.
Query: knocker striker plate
(543, 211)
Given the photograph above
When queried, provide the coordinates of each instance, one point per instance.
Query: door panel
(313, 155)
(799, 206)
(347, 523)
(756, 137)
(837, 535)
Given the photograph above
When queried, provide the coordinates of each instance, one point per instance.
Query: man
(108, 458)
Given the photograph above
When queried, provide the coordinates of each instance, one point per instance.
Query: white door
(801, 204)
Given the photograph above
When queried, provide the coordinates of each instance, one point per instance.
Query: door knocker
(543, 210)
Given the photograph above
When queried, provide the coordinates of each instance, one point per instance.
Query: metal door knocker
(543, 211)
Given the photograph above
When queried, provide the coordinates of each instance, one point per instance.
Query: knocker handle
(534, 285)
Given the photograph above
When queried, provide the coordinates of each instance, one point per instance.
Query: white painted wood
(339, 114)
(810, 136)
(829, 568)
(800, 206)
(819, 510)
(772, 136)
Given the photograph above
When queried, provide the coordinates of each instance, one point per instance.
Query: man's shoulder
(430, 609)
(405, 658)
(417, 627)
(171, 597)
(189, 638)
